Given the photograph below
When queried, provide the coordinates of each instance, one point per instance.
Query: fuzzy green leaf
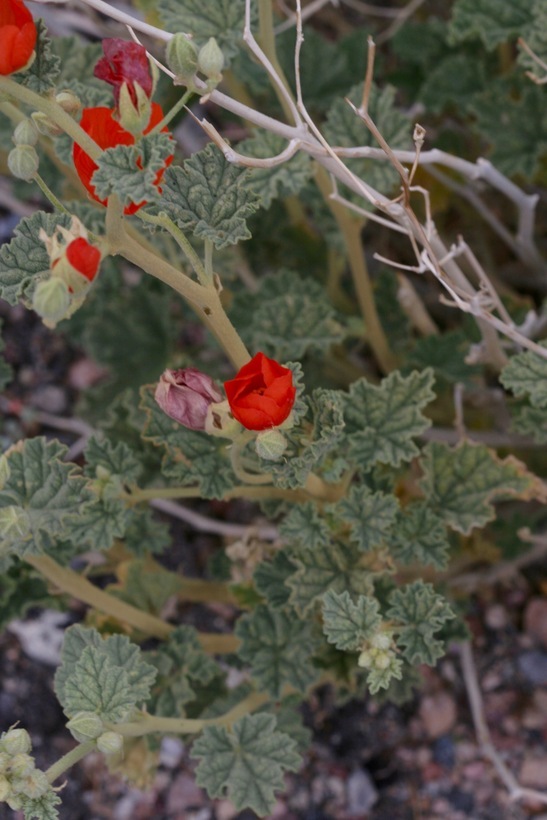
(245, 764)
(145, 534)
(49, 493)
(6, 372)
(270, 579)
(105, 676)
(146, 585)
(531, 421)
(278, 647)
(118, 459)
(99, 523)
(21, 589)
(222, 19)
(452, 82)
(419, 536)
(303, 525)
(370, 516)
(382, 420)
(535, 36)
(335, 566)
(445, 354)
(346, 129)
(526, 375)
(287, 317)
(24, 261)
(346, 623)
(494, 21)
(41, 808)
(210, 197)
(131, 170)
(281, 180)
(182, 666)
(422, 612)
(460, 482)
(42, 74)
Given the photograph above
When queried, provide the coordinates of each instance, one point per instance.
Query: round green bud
(5, 760)
(69, 102)
(45, 124)
(23, 161)
(35, 785)
(211, 60)
(51, 299)
(25, 133)
(5, 471)
(21, 765)
(182, 57)
(381, 640)
(365, 659)
(5, 788)
(85, 726)
(382, 660)
(110, 743)
(14, 802)
(16, 741)
(270, 444)
(14, 523)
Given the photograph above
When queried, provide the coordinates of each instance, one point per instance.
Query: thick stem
(351, 231)
(67, 761)
(266, 38)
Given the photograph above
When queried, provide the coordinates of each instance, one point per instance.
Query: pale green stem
(54, 111)
(172, 112)
(208, 259)
(163, 221)
(48, 193)
(266, 38)
(73, 584)
(67, 761)
(174, 726)
(351, 231)
(241, 472)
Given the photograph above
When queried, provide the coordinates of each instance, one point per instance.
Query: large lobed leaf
(494, 21)
(347, 624)
(370, 516)
(221, 19)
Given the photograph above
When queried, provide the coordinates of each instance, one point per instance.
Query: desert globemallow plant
(288, 326)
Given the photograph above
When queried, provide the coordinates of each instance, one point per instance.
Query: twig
(543, 65)
(399, 21)
(203, 523)
(516, 791)
(311, 9)
(506, 570)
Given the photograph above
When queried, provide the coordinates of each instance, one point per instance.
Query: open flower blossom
(101, 125)
(262, 394)
(125, 62)
(185, 395)
(17, 36)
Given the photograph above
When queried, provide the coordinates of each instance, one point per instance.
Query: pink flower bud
(185, 395)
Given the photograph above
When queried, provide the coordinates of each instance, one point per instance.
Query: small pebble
(361, 792)
(496, 616)
(50, 398)
(533, 666)
(533, 772)
(438, 713)
(444, 752)
(535, 620)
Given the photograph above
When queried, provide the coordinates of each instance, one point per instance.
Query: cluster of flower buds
(73, 265)
(86, 726)
(259, 398)
(23, 160)
(379, 653)
(19, 776)
(185, 60)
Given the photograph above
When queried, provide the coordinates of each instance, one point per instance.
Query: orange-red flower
(17, 36)
(107, 132)
(262, 394)
(83, 257)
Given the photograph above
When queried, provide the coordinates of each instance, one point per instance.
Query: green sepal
(278, 648)
(245, 763)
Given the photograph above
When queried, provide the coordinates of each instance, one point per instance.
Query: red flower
(84, 258)
(262, 394)
(17, 36)
(125, 62)
(107, 132)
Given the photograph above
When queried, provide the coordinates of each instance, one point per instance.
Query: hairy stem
(67, 761)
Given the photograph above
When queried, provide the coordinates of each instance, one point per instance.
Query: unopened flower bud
(85, 726)
(182, 58)
(25, 133)
(14, 522)
(110, 743)
(365, 659)
(23, 161)
(51, 300)
(34, 785)
(69, 102)
(14, 801)
(21, 765)
(381, 640)
(45, 124)
(5, 471)
(16, 741)
(382, 660)
(185, 395)
(5, 788)
(270, 444)
(5, 760)
(211, 60)
(134, 116)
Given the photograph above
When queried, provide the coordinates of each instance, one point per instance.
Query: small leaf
(209, 196)
(117, 458)
(49, 491)
(419, 536)
(41, 808)
(42, 74)
(531, 421)
(222, 19)
(270, 579)
(494, 21)
(6, 372)
(347, 624)
(304, 525)
(245, 764)
(382, 420)
(445, 354)
(526, 375)
(461, 482)
(100, 523)
(422, 612)
(278, 648)
(145, 585)
(370, 516)
(130, 171)
(283, 180)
